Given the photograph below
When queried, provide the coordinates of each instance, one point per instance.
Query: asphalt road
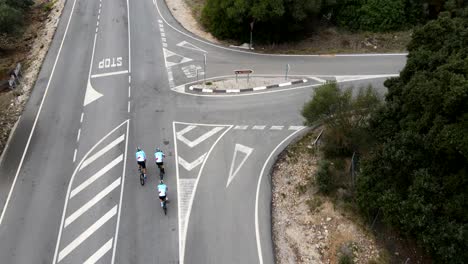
(113, 80)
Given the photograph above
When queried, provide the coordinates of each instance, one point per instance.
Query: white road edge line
(96, 176)
(183, 236)
(12, 131)
(37, 117)
(98, 254)
(59, 236)
(109, 74)
(257, 229)
(121, 194)
(91, 202)
(129, 47)
(102, 152)
(87, 233)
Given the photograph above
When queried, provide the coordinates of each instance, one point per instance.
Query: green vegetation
(284, 20)
(12, 15)
(414, 147)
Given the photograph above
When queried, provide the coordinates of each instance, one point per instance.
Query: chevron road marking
(238, 148)
(83, 236)
(191, 144)
(96, 176)
(189, 166)
(98, 254)
(189, 45)
(102, 151)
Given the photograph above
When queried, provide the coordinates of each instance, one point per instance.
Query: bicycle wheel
(142, 179)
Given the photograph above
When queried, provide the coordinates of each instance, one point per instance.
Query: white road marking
(184, 223)
(129, 53)
(96, 176)
(238, 148)
(185, 190)
(102, 151)
(91, 94)
(37, 115)
(257, 228)
(241, 127)
(276, 127)
(59, 236)
(200, 139)
(92, 202)
(168, 53)
(97, 30)
(98, 254)
(97, 23)
(109, 74)
(259, 88)
(188, 45)
(74, 156)
(165, 45)
(284, 84)
(129, 91)
(318, 79)
(81, 119)
(190, 165)
(128, 107)
(258, 127)
(99, 15)
(83, 236)
(163, 34)
(129, 79)
(295, 127)
(163, 39)
(78, 135)
(350, 78)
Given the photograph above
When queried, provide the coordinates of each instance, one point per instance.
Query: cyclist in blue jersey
(141, 160)
(162, 190)
(159, 158)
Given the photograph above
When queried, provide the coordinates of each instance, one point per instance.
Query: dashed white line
(74, 155)
(81, 119)
(96, 176)
(129, 79)
(92, 202)
(128, 107)
(99, 15)
(97, 23)
(241, 127)
(78, 135)
(96, 30)
(163, 34)
(129, 91)
(102, 152)
(165, 45)
(83, 236)
(277, 127)
(98, 254)
(163, 39)
(258, 127)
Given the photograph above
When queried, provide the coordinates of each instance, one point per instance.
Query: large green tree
(418, 175)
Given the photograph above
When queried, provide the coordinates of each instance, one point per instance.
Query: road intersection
(116, 77)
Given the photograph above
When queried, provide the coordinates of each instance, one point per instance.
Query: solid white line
(124, 168)
(92, 202)
(74, 156)
(81, 119)
(271, 55)
(295, 127)
(59, 236)
(108, 74)
(176, 157)
(257, 229)
(37, 116)
(129, 44)
(78, 135)
(318, 79)
(83, 236)
(98, 254)
(102, 151)
(258, 127)
(128, 107)
(276, 127)
(96, 176)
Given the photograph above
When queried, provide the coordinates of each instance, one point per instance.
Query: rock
(329, 219)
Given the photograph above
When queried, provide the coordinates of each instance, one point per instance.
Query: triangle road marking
(238, 148)
(189, 45)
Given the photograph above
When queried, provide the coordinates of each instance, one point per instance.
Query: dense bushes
(417, 175)
(11, 14)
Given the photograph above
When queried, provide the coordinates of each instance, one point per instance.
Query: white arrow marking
(191, 144)
(239, 148)
(91, 94)
(189, 45)
(189, 166)
(168, 53)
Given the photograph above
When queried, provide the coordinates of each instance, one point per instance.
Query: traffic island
(240, 85)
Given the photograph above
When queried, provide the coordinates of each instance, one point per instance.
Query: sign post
(248, 72)
(204, 74)
(287, 71)
(251, 32)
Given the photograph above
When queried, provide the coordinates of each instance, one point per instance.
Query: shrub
(323, 177)
(11, 19)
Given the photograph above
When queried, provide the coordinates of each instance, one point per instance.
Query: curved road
(114, 79)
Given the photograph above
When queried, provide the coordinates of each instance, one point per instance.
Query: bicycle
(162, 171)
(142, 176)
(164, 207)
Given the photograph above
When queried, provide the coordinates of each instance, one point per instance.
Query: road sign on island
(243, 72)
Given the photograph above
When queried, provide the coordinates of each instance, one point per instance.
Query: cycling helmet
(161, 182)
(157, 149)
(138, 149)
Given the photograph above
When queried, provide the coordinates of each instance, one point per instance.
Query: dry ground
(28, 47)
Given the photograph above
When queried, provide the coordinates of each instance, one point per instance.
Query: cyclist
(141, 160)
(159, 156)
(162, 190)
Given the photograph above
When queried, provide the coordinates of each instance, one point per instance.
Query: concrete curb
(209, 90)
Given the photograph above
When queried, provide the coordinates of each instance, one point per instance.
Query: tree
(11, 19)
(417, 174)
